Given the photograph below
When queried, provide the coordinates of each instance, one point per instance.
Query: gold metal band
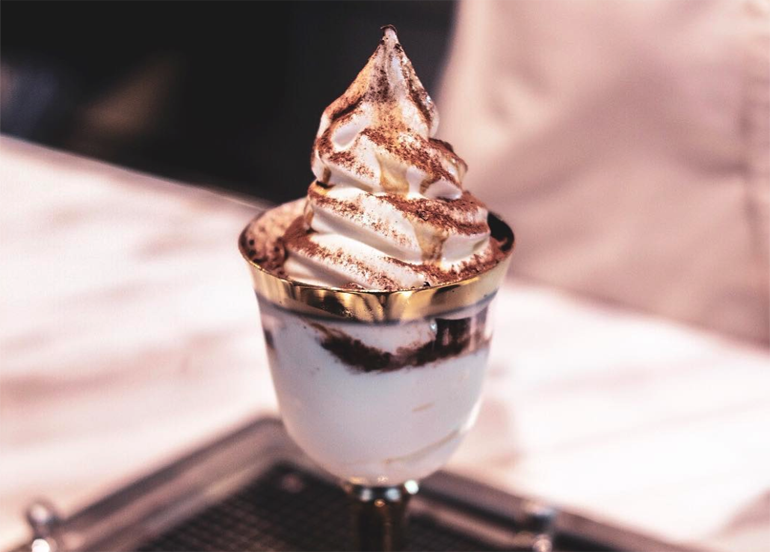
(382, 306)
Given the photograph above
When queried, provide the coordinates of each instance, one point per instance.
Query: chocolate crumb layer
(453, 338)
(264, 241)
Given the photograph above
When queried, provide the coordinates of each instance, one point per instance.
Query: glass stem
(379, 515)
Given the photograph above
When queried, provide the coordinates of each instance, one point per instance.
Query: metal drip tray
(289, 509)
(254, 490)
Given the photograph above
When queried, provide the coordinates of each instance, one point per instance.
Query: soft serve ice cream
(387, 210)
(381, 387)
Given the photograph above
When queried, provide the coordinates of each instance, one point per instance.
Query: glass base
(379, 515)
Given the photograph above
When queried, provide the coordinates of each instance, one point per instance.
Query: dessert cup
(378, 387)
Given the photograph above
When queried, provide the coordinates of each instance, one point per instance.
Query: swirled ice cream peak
(377, 135)
(387, 210)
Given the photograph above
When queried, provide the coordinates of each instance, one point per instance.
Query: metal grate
(278, 505)
(289, 509)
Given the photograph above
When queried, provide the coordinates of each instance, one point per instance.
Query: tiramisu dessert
(374, 289)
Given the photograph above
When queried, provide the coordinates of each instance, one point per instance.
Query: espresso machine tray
(255, 490)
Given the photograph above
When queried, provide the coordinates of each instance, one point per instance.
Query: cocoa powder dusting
(419, 95)
(442, 144)
(346, 209)
(284, 229)
(298, 238)
(416, 151)
(436, 275)
(344, 158)
(451, 216)
(344, 106)
(379, 83)
(371, 132)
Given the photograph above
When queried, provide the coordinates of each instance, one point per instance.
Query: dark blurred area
(223, 94)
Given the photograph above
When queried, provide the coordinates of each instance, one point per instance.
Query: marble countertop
(130, 334)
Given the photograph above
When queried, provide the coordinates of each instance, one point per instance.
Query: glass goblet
(378, 388)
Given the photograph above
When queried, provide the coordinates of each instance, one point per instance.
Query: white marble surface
(129, 334)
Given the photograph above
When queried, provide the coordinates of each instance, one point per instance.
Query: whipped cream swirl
(387, 210)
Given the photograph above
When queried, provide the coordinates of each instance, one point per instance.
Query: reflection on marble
(129, 334)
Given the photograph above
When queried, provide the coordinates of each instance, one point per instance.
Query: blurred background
(227, 96)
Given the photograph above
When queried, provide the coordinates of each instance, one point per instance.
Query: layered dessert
(374, 288)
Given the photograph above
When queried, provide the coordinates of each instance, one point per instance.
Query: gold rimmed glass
(378, 388)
